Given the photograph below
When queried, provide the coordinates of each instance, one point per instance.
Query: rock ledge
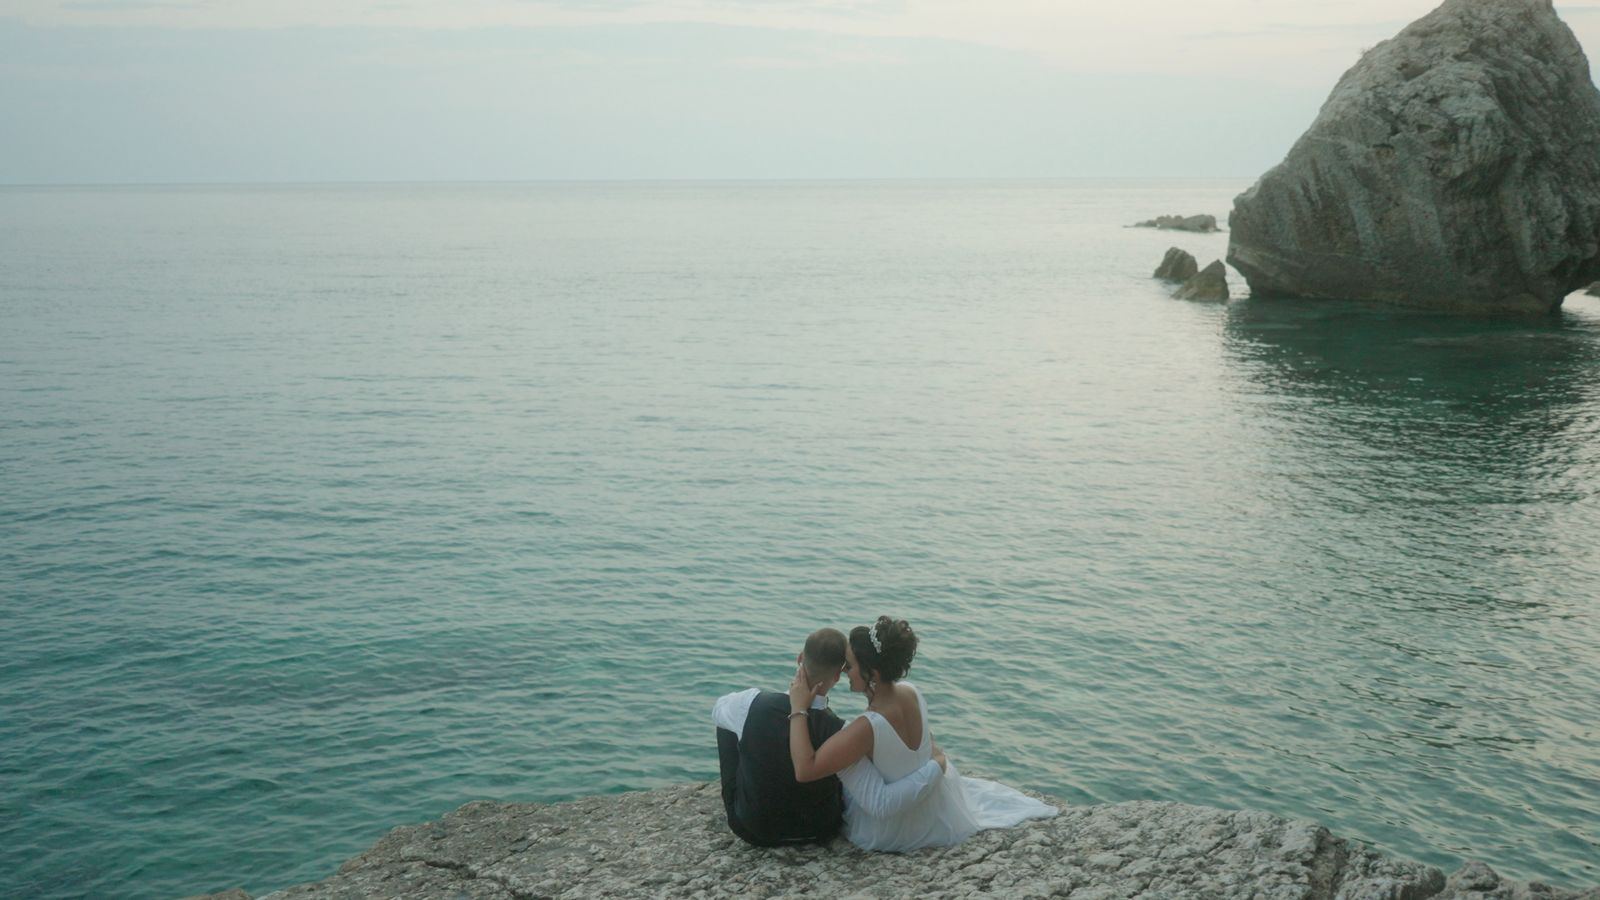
(673, 842)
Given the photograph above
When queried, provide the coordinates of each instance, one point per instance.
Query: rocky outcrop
(1177, 265)
(1210, 284)
(674, 842)
(1456, 166)
(1201, 224)
(1476, 881)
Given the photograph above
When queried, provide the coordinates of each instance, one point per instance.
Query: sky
(180, 91)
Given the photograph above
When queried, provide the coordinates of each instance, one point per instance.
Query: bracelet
(800, 713)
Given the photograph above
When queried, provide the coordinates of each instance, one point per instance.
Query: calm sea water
(327, 509)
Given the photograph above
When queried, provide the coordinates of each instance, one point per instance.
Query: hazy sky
(332, 90)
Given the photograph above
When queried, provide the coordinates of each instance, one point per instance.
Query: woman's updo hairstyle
(899, 645)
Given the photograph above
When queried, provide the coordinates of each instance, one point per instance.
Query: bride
(893, 736)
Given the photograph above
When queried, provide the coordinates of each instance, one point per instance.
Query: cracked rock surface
(674, 842)
(1455, 166)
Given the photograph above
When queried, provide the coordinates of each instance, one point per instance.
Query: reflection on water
(1431, 480)
(1430, 424)
(1497, 393)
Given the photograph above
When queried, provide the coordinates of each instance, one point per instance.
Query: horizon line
(639, 180)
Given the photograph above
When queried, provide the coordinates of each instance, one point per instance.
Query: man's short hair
(824, 654)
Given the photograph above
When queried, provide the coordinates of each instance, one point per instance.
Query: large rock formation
(1455, 166)
(675, 842)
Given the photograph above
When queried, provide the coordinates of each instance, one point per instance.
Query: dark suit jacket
(765, 805)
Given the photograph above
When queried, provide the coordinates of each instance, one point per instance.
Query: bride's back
(903, 709)
(900, 741)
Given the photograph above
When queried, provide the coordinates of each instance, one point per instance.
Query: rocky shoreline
(674, 842)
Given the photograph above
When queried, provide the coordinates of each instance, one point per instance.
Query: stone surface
(1200, 223)
(1210, 284)
(1455, 166)
(1476, 881)
(1177, 265)
(674, 842)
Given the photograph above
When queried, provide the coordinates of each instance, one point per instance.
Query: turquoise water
(327, 509)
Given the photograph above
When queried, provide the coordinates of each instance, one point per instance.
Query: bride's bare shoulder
(915, 692)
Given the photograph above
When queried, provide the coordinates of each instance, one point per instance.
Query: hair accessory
(872, 635)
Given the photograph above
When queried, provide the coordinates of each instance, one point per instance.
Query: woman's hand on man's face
(800, 691)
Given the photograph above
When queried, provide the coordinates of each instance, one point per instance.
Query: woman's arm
(852, 743)
(865, 787)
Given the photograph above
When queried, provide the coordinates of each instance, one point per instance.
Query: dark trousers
(728, 759)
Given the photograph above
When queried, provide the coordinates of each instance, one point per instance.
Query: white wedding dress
(949, 813)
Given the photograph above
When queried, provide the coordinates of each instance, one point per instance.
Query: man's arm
(731, 710)
(865, 787)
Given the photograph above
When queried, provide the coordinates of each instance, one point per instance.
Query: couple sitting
(793, 772)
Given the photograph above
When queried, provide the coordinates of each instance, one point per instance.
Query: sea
(326, 509)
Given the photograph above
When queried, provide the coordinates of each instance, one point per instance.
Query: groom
(766, 806)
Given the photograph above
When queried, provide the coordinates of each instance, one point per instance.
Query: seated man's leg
(728, 759)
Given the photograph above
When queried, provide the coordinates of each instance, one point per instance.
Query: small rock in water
(1210, 284)
(1177, 265)
(1201, 223)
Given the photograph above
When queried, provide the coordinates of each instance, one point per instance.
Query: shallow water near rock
(328, 509)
